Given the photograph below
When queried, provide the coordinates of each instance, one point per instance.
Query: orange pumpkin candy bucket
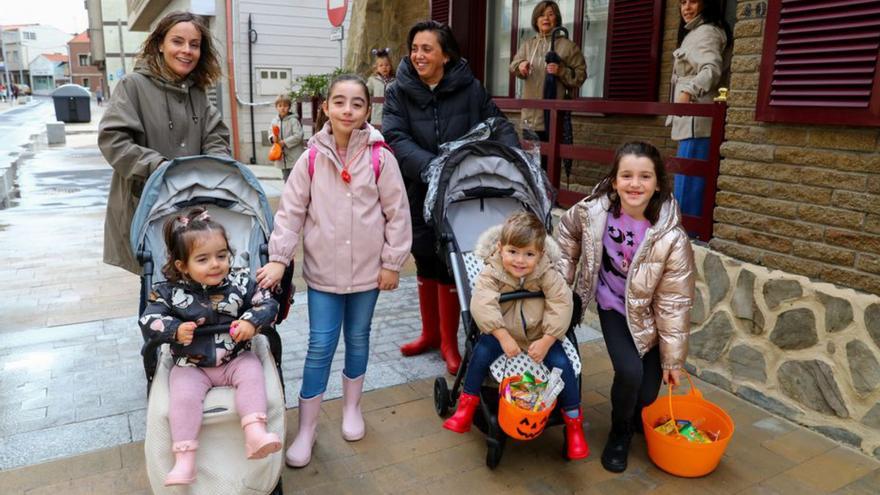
(517, 422)
(673, 453)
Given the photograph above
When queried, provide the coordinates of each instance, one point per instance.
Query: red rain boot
(449, 314)
(460, 422)
(430, 338)
(574, 436)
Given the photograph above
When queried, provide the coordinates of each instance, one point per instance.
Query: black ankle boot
(616, 451)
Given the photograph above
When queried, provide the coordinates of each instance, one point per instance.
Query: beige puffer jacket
(660, 282)
(527, 320)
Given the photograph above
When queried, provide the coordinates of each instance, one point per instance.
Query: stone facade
(380, 24)
(800, 198)
(806, 350)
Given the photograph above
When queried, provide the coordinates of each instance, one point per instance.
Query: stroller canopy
(231, 192)
(477, 166)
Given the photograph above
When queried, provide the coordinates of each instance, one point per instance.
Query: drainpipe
(252, 38)
(230, 61)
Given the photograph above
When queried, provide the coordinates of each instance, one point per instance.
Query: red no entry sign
(336, 10)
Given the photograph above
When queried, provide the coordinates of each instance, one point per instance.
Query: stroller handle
(519, 294)
(154, 342)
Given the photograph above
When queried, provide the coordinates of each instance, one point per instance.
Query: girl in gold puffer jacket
(638, 264)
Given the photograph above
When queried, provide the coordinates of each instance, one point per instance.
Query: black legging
(636, 380)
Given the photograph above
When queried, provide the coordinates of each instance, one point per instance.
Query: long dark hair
(662, 195)
(207, 69)
(712, 13)
(444, 37)
(180, 235)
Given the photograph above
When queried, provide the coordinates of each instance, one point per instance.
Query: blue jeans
(488, 349)
(688, 190)
(328, 314)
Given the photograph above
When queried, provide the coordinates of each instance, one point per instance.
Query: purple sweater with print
(620, 242)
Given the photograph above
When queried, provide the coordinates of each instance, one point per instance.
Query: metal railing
(555, 151)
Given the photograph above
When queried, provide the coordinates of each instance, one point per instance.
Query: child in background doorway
(290, 134)
(383, 75)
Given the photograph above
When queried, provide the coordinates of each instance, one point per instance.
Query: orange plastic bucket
(517, 422)
(675, 454)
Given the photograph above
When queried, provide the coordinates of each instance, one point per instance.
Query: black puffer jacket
(417, 120)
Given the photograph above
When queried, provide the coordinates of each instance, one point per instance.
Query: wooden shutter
(632, 61)
(820, 62)
(440, 11)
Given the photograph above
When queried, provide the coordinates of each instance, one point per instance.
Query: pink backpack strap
(376, 158)
(313, 153)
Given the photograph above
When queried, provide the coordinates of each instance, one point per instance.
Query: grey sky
(67, 15)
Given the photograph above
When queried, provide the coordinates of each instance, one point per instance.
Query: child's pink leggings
(190, 384)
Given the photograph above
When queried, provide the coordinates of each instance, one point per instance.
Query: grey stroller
(474, 184)
(234, 198)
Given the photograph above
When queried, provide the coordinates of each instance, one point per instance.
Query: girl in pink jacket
(346, 197)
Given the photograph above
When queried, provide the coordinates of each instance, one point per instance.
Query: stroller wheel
(494, 452)
(495, 441)
(442, 400)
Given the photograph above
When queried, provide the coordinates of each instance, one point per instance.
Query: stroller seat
(235, 199)
(222, 464)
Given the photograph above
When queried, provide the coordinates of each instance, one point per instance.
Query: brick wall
(801, 198)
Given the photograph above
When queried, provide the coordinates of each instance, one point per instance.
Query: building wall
(79, 73)
(121, 45)
(800, 198)
(292, 35)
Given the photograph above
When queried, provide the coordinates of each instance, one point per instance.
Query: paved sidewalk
(407, 451)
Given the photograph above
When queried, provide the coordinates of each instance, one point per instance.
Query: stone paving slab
(406, 451)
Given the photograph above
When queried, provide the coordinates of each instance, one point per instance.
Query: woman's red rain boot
(574, 436)
(430, 338)
(449, 310)
(460, 422)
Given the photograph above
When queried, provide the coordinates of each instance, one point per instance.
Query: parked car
(23, 90)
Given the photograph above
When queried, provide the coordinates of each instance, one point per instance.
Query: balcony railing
(555, 151)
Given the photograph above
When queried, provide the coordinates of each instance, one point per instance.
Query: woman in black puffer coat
(434, 100)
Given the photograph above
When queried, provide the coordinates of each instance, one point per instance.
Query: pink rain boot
(184, 470)
(258, 443)
(299, 454)
(352, 420)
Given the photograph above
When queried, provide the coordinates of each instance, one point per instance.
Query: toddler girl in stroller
(520, 256)
(199, 289)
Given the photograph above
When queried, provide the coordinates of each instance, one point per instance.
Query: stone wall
(808, 351)
(380, 24)
(800, 198)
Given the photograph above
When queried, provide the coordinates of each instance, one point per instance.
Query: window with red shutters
(632, 64)
(440, 11)
(820, 63)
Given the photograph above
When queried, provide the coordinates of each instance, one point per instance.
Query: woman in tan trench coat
(157, 113)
